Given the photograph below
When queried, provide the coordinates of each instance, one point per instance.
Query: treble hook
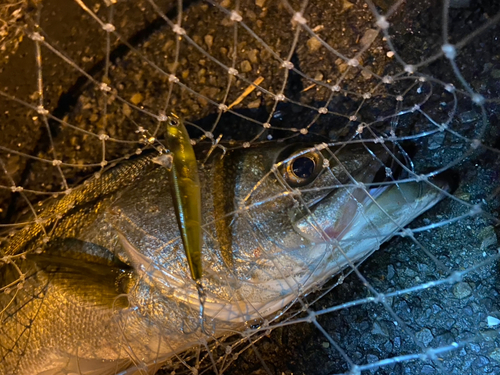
(202, 297)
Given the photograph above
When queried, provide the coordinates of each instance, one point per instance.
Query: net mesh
(86, 84)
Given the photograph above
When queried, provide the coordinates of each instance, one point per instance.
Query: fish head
(313, 212)
(278, 222)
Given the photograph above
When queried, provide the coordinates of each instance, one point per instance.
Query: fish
(99, 283)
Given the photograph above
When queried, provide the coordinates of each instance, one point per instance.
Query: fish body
(99, 283)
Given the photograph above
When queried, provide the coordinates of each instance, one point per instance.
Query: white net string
(87, 84)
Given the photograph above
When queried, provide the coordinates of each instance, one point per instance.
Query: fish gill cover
(86, 84)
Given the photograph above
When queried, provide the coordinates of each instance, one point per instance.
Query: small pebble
(492, 321)
(209, 41)
(428, 370)
(390, 272)
(425, 336)
(246, 66)
(136, 98)
(495, 354)
(462, 290)
(313, 44)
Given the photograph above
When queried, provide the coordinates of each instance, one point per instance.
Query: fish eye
(302, 169)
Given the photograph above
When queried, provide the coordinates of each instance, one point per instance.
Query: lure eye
(303, 169)
(173, 121)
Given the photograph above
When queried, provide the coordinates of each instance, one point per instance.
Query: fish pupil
(303, 167)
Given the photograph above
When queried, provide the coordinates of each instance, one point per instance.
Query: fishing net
(86, 84)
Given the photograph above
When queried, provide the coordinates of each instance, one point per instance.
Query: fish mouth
(390, 202)
(380, 207)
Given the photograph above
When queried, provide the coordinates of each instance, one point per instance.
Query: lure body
(186, 193)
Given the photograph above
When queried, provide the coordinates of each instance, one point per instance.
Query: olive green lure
(185, 186)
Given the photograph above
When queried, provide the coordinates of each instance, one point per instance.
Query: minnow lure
(185, 187)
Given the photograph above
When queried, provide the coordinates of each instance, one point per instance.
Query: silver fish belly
(99, 283)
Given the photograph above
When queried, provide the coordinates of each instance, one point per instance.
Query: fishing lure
(185, 187)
